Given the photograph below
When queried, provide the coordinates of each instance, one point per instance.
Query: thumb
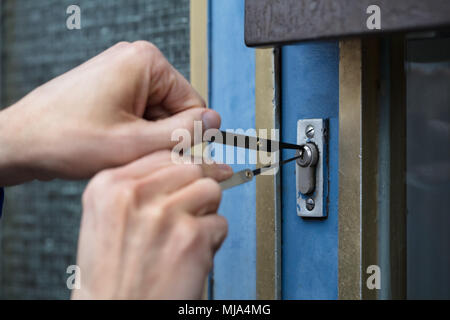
(157, 135)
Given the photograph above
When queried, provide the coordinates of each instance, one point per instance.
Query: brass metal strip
(350, 99)
(268, 209)
(360, 110)
(198, 18)
(199, 46)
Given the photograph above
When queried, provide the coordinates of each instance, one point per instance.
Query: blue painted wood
(310, 89)
(232, 87)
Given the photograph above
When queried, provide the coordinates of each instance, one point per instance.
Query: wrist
(16, 155)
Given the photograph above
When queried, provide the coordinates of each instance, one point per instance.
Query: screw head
(310, 204)
(309, 131)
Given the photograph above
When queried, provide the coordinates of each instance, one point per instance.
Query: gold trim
(199, 46)
(359, 128)
(350, 94)
(267, 211)
(198, 18)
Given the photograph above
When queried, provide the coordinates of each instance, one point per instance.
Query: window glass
(428, 168)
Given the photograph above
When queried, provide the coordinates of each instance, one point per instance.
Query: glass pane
(428, 168)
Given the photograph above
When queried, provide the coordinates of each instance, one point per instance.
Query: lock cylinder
(310, 169)
(309, 155)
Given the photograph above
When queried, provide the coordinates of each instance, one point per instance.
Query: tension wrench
(247, 175)
(254, 143)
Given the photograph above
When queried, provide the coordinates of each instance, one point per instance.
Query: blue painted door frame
(310, 89)
(232, 94)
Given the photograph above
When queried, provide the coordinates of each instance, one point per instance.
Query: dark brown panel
(398, 207)
(272, 22)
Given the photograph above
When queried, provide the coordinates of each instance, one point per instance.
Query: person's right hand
(119, 106)
(150, 230)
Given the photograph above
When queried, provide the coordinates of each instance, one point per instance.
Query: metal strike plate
(314, 203)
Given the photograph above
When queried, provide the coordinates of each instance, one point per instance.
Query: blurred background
(39, 227)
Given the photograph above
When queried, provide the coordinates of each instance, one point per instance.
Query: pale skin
(150, 227)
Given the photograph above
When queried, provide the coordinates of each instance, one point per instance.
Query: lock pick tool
(253, 143)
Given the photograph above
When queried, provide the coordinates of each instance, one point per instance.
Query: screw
(310, 204)
(309, 131)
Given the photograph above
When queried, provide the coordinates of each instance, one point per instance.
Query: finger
(167, 87)
(198, 198)
(216, 228)
(167, 181)
(160, 160)
(146, 165)
(211, 169)
(170, 179)
(217, 171)
(166, 133)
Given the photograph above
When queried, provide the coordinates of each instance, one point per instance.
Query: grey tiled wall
(39, 228)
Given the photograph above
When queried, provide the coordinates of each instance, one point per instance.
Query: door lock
(307, 168)
(311, 168)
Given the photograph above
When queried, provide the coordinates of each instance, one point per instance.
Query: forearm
(15, 151)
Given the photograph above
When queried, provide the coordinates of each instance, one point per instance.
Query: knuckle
(144, 49)
(139, 53)
(100, 181)
(125, 192)
(106, 192)
(122, 44)
(190, 236)
(156, 217)
(167, 206)
(223, 224)
(121, 195)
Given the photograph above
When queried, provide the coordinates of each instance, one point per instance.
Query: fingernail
(210, 119)
(225, 168)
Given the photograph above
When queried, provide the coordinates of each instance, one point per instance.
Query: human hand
(150, 230)
(113, 109)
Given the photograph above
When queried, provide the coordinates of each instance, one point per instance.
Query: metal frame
(372, 207)
(273, 22)
(198, 19)
(320, 194)
(350, 116)
(199, 46)
(268, 203)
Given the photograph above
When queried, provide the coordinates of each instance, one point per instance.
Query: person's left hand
(150, 230)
